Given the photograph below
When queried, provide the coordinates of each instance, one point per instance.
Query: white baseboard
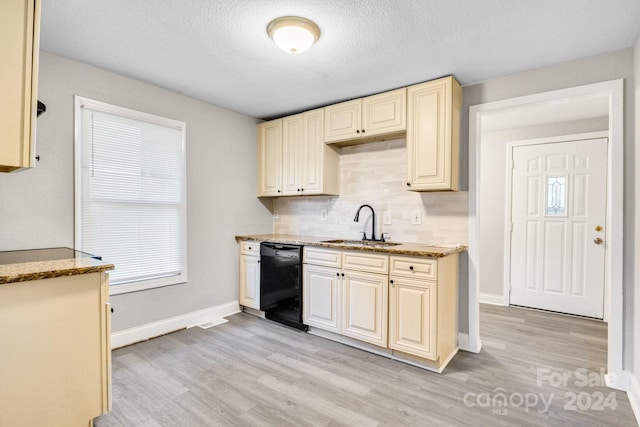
(620, 380)
(161, 327)
(634, 395)
(492, 299)
(463, 343)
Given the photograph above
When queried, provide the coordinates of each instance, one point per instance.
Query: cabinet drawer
(419, 268)
(250, 248)
(365, 261)
(318, 256)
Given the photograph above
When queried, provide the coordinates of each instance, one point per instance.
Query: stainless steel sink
(374, 243)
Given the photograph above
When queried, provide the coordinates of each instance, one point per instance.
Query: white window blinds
(130, 206)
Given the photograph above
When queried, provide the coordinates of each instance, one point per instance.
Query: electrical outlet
(276, 217)
(386, 218)
(416, 218)
(323, 215)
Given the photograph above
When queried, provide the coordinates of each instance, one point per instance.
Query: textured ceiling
(218, 50)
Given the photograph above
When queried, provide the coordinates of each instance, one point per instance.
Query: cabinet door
(250, 281)
(412, 316)
(270, 158)
(19, 36)
(365, 305)
(292, 153)
(321, 297)
(342, 121)
(432, 135)
(384, 113)
(313, 155)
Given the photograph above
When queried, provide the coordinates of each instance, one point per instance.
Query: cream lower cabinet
(55, 360)
(345, 301)
(433, 121)
(19, 44)
(423, 307)
(250, 274)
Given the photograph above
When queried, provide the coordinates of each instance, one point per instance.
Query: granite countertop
(411, 249)
(36, 264)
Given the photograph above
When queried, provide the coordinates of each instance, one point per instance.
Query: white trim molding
(492, 299)
(161, 327)
(634, 395)
(615, 195)
(463, 343)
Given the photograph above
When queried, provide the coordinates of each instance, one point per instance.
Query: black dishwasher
(281, 283)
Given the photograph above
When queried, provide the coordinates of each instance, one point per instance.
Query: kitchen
(45, 218)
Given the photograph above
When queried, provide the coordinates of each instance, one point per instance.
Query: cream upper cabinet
(19, 44)
(423, 307)
(433, 121)
(293, 159)
(365, 118)
(250, 274)
(270, 158)
(292, 153)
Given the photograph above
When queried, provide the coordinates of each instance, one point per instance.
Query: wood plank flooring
(253, 372)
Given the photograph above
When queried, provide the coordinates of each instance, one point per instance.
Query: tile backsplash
(375, 174)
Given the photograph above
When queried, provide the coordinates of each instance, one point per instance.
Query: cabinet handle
(338, 274)
(391, 281)
(342, 274)
(408, 184)
(278, 191)
(357, 130)
(362, 130)
(258, 261)
(302, 189)
(250, 248)
(411, 267)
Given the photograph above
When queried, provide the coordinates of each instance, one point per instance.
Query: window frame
(81, 102)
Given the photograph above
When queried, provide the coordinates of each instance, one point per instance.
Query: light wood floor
(252, 372)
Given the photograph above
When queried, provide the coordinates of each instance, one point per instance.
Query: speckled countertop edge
(27, 271)
(411, 249)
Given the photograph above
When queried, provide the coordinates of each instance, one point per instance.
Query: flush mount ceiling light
(293, 34)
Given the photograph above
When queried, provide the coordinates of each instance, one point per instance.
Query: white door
(558, 215)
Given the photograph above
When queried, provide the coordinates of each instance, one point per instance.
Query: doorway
(616, 376)
(555, 224)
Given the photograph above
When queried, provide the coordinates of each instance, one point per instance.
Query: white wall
(634, 316)
(493, 192)
(376, 174)
(36, 206)
(609, 66)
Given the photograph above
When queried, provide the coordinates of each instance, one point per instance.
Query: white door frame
(616, 377)
(508, 211)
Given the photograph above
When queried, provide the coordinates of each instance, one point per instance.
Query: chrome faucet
(373, 223)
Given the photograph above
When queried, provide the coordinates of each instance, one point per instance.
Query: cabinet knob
(278, 191)
(302, 189)
(411, 267)
(338, 274)
(362, 130)
(408, 184)
(357, 130)
(258, 261)
(342, 274)
(391, 281)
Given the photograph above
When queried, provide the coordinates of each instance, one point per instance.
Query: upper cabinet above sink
(364, 119)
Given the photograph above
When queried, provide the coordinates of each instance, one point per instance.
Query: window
(130, 194)
(556, 195)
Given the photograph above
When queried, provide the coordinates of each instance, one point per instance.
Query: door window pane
(556, 195)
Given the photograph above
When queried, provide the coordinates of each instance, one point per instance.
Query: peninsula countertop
(410, 249)
(36, 264)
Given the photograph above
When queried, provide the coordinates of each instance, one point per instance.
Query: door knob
(598, 241)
